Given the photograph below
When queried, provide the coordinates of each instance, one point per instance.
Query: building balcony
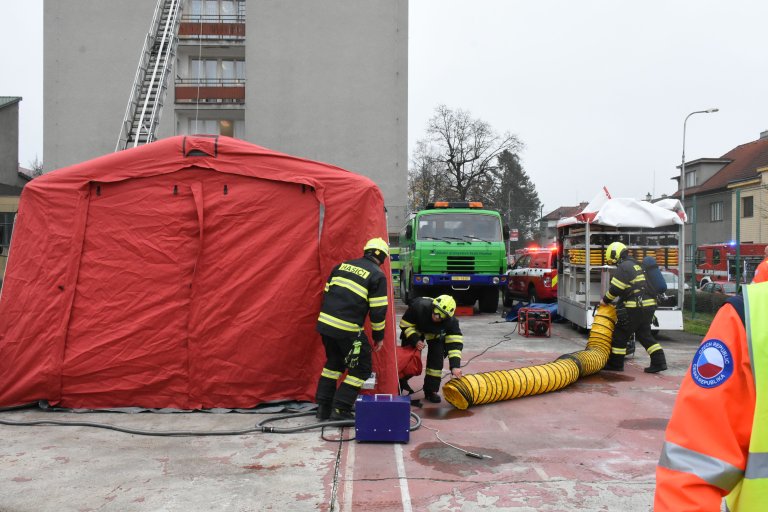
(212, 27)
(208, 91)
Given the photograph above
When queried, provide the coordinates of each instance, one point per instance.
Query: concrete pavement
(592, 446)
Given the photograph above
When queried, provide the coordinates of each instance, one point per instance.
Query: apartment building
(325, 80)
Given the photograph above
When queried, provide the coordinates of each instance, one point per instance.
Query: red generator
(534, 322)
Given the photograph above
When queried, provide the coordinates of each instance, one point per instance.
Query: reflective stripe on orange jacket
(707, 439)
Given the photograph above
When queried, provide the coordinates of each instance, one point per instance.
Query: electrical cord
(466, 452)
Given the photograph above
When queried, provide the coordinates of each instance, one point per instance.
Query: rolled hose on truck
(496, 386)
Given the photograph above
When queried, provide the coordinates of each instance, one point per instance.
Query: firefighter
(355, 288)
(430, 322)
(635, 310)
(716, 442)
(761, 272)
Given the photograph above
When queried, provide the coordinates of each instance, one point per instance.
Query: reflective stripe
(710, 469)
(431, 336)
(653, 348)
(619, 351)
(330, 374)
(646, 303)
(757, 465)
(621, 285)
(554, 281)
(350, 285)
(410, 331)
(353, 381)
(434, 373)
(338, 323)
(378, 326)
(376, 302)
(610, 296)
(327, 287)
(454, 338)
(404, 324)
(454, 353)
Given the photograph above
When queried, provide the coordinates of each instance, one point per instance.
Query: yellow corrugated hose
(486, 388)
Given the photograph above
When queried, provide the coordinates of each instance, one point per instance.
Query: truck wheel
(507, 298)
(414, 293)
(489, 300)
(404, 292)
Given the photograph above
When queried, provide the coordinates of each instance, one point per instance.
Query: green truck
(454, 248)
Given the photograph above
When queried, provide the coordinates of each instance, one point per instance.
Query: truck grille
(461, 264)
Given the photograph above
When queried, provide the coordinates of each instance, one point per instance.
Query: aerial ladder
(145, 104)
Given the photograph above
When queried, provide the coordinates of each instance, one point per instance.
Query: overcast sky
(597, 90)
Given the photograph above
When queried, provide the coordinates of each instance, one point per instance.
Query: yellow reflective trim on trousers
(353, 381)
(338, 323)
(330, 374)
(434, 373)
(618, 351)
(653, 348)
(350, 285)
(454, 338)
(454, 353)
(378, 326)
(377, 302)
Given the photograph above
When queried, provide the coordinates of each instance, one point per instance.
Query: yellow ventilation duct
(489, 387)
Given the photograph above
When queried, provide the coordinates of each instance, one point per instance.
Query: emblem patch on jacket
(712, 364)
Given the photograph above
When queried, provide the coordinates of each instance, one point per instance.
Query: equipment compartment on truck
(584, 276)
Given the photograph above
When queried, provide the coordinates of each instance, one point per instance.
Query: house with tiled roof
(717, 188)
(548, 223)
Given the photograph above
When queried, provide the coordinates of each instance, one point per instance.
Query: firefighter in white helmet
(355, 289)
(430, 322)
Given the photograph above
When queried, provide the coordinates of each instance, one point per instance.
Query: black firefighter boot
(323, 412)
(615, 363)
(658, 362)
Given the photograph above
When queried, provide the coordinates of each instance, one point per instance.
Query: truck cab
(454, 248)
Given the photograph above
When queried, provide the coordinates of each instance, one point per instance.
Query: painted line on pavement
(405, 495)
(349, 476)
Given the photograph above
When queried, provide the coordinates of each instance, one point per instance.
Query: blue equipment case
(384, 418)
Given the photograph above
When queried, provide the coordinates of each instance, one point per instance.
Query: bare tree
(464, 151)
(426, 181)
(36, 166)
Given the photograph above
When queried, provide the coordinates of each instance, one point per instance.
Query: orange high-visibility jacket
(761, 272)
(707, 442)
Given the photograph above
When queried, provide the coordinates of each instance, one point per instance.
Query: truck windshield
(459, 226)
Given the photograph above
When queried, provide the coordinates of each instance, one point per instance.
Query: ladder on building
(145, 104)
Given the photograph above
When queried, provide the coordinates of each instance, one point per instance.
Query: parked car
(673, 285)
(719, 287)
(533, 277)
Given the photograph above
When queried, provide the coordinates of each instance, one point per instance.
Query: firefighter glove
(354, 355)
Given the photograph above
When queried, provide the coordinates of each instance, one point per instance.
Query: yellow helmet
(377, 246)
(445, 305)
(613, 252)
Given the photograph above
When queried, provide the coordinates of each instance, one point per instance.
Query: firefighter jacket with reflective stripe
(628, 285)
(354, 289)
(417, 324)
(716, 442)
(761, 272)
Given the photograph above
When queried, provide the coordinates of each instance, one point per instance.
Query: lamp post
(693, 227)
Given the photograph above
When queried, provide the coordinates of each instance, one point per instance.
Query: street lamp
(682, 201)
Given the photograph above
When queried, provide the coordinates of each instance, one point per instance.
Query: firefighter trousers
(336, 351)
(638, 323)
(434, 372)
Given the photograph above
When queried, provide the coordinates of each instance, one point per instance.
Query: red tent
(187, 273)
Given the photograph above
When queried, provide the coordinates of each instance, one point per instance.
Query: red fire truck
(717, 262)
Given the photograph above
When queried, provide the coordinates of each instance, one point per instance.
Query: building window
(216, 71)
(691, 214)
(227, 127)
(6, 229)
(747, 205)
(215, 10)
(716, 211)
(688, 252)
(690, 179)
